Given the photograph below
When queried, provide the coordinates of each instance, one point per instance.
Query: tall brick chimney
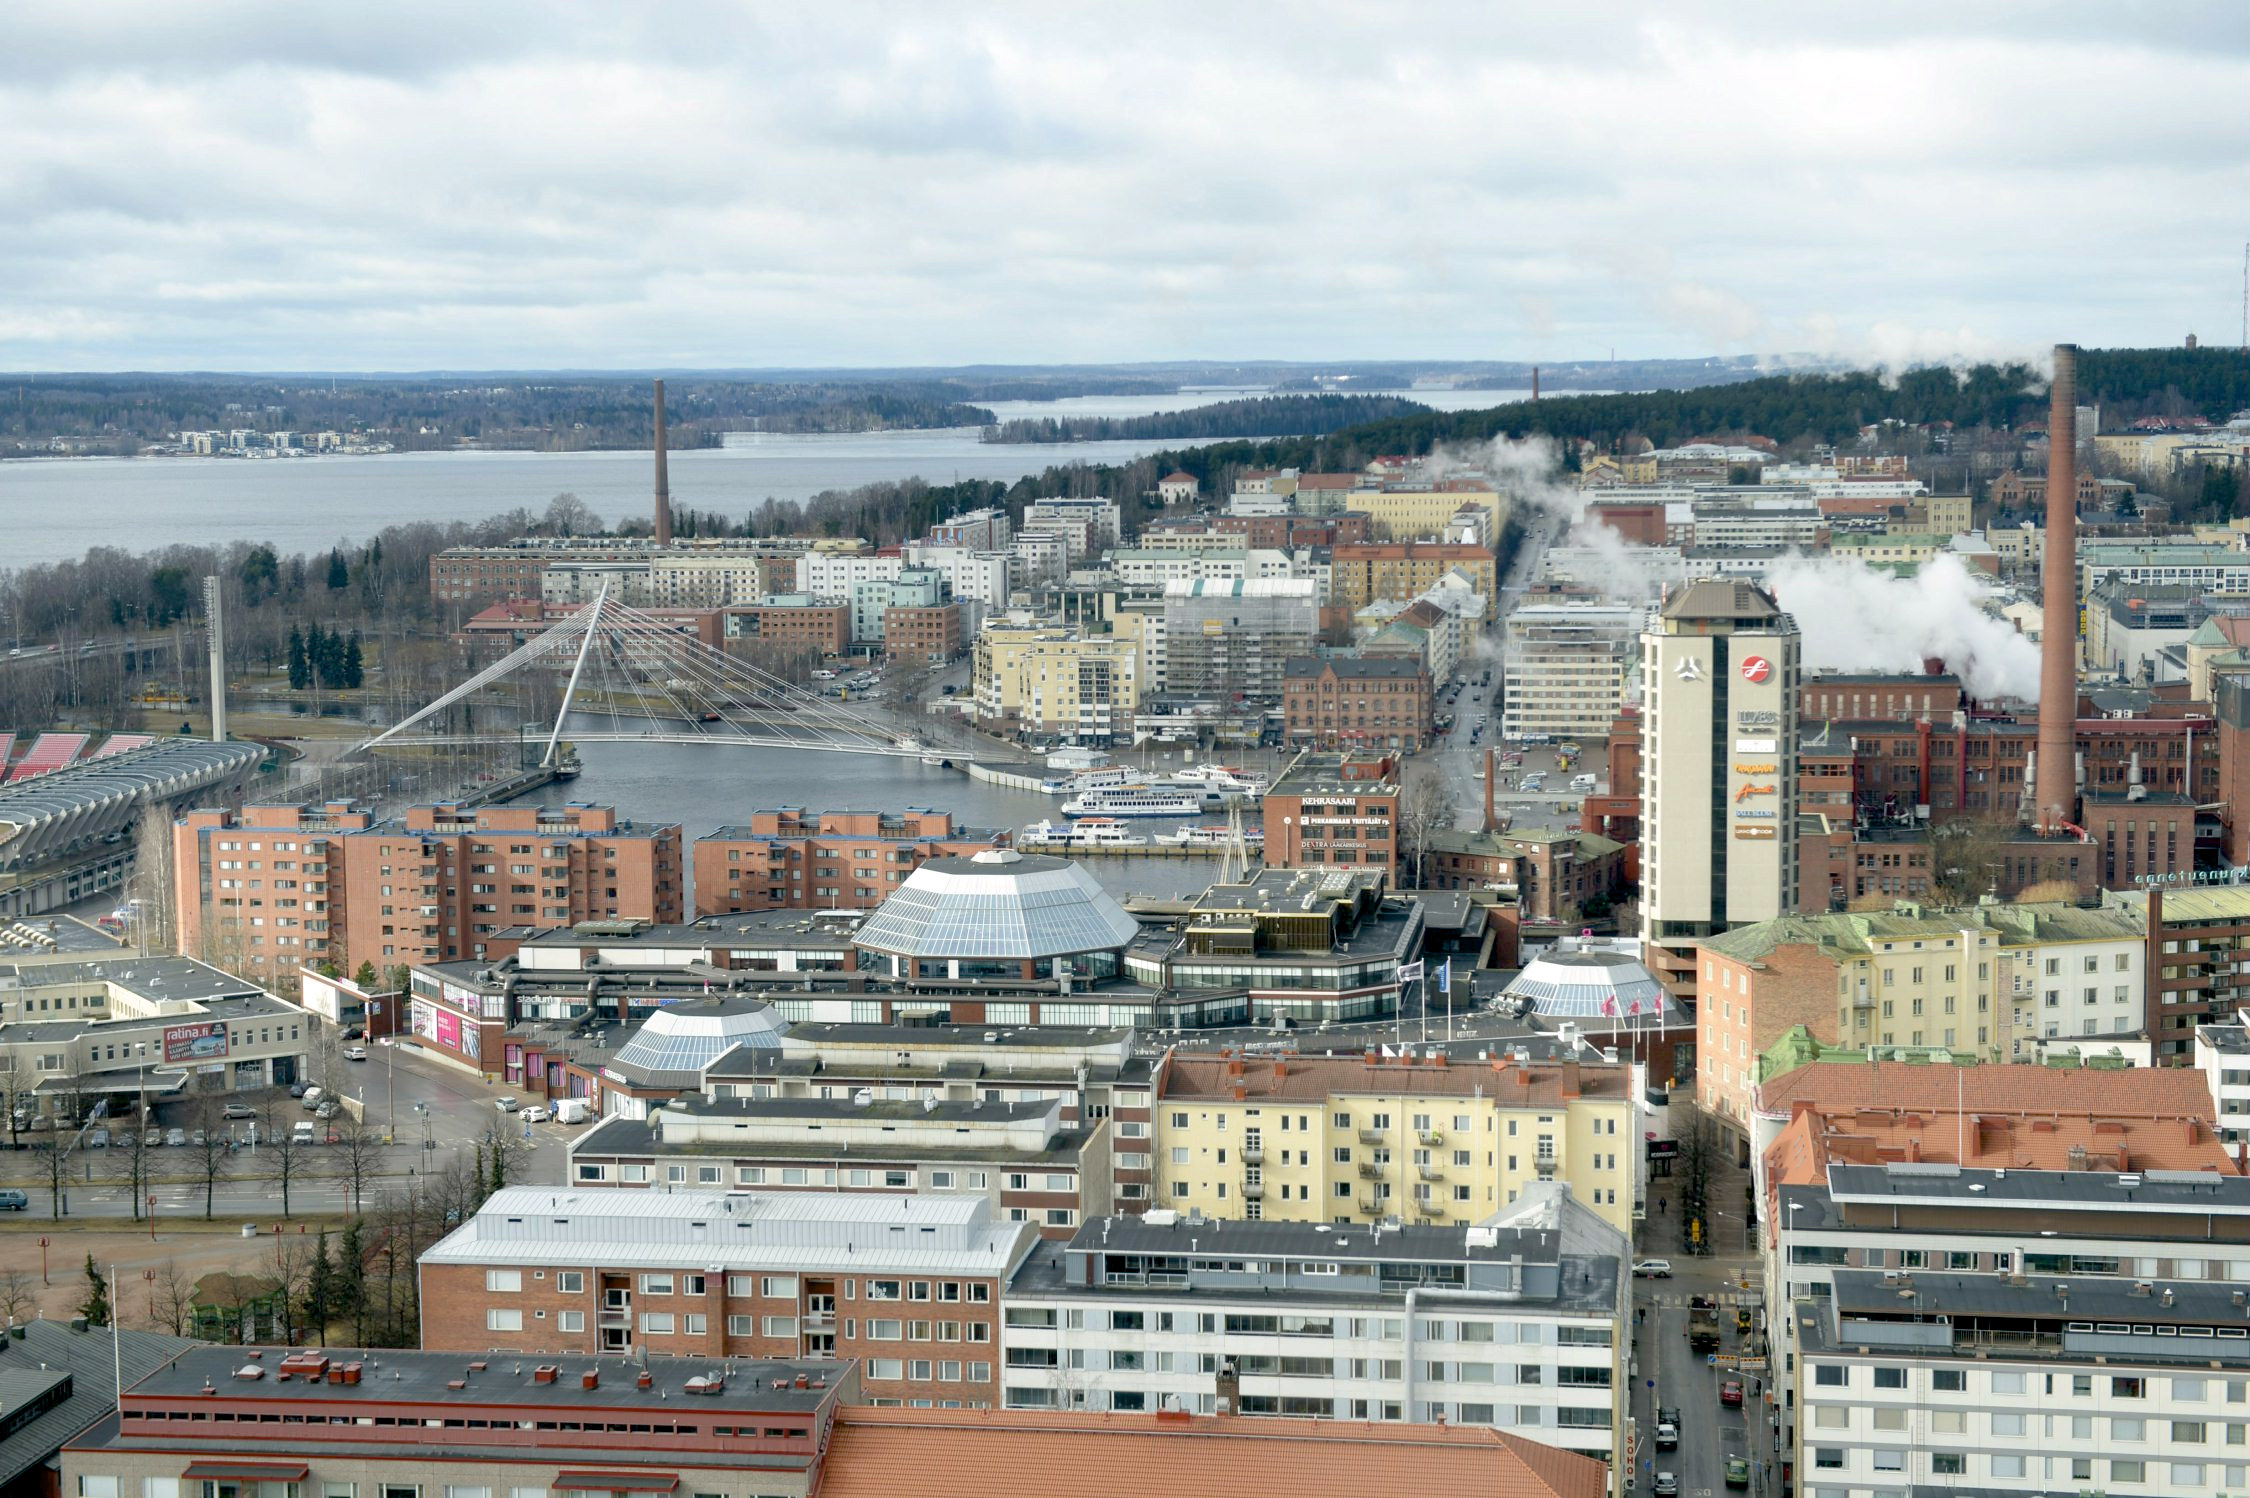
(2055, 789)
(663, 477)
(1491, 773)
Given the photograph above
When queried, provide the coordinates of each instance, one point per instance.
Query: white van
(304, 1131)
(1582, 782)
(824, 676)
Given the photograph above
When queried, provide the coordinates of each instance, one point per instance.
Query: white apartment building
(861, 576)
(1522, 1328)
(1137, 567)
(2071, 973)
(1093, 526)
(1566, 668)
(2222, 1054)
(1041, 557)
(1993, 1384)
(1734, 523)
(978, 576)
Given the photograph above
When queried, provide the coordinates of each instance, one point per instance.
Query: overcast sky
(478, 184)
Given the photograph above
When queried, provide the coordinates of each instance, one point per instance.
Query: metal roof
(997, 904)
(92, 1361)
(81, 804)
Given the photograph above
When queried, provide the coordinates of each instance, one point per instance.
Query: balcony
(1433, 1137)
(1370, 1206)
(1255, 1155)
(1546, 1169)
(1253, 1191)
(1370, 1171)
(1430, 1172)
(1372, 1136)
(1426, 1207)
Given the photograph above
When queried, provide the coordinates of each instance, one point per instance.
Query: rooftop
(1313, 1078)
(696, 1230)
(1722, 599)
(392, 1375)
(2025, 1091)
(1593, 982)
(932, 1453)
(48, 1350)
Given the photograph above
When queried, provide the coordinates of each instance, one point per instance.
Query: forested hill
(1259, 416)
(1829, 408)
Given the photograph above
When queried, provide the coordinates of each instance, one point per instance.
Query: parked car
(296, 1089)
(1730, 1393)
(153, 1139)
(199, 1139)
(506, 1104)
(1667, 1435)
(176, 1138)
(535, 1115)
(1667, 1485)
(1738, 1471)
(326, 1110)
(240, 1110)
(97, 1139)
(355, 1053)
(1652, 1269)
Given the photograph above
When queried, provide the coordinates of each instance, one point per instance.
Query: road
(1669, 1372)
(400, 1089)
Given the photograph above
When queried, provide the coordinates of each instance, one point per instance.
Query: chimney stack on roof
(2055, 792)
(663, 531)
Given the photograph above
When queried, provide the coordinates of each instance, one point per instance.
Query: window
(503, 1281)
(1949, 1380)
(497, 1320)
(781, 1285)
(1831, 1375)
(90, 1486)
(656, 1284)
(1890, 1378)
(570, 1321)
(2007, 1423)
(570, 1282)
(1889, 1459)
(1948, 1464)
(657, 1323)
(457, 1490)
(2007, 1466)
(1828, 1456)
(2123, 1387)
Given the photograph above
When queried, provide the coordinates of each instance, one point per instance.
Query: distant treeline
(1259, 416)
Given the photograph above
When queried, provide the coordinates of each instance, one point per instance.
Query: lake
(54, 509)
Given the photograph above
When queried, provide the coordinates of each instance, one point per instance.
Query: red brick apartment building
(272, 888)
(789, 622)
(910, 1285)
(474, 576)
(923, 632)
(1333, 809)
(1356, 702)
(787, 859)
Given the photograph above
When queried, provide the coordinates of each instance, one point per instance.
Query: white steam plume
(1856, 619)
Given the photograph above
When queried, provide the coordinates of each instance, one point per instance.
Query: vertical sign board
(1759, 817)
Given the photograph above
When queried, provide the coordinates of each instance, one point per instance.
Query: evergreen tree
(352, 669)
(320, 1292)
(350, 1282)
(95, 1307)
(300, 668)
(365, 977)
(339, 572)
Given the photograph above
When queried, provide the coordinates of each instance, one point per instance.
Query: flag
(1609, 1005)
(1411, 972)
(1636, 1009)
(1445, 977)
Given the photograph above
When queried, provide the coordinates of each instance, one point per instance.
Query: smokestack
(663, 478)
(1491, 773)
(2058, 649)
(1535, 382)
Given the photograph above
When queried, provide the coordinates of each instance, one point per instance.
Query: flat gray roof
(2192, 1191)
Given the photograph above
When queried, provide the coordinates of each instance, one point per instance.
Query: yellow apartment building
(1359, 1140)
(1416, 514)
(1056, 679)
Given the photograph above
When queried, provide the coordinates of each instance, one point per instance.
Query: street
(402, 1091)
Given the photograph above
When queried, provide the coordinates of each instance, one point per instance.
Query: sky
(487, 184)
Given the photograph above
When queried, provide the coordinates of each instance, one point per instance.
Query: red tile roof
(1832, 1086)
(931, 1453)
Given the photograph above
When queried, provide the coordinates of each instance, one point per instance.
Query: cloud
(251, 184)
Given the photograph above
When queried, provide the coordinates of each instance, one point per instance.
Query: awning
(616, 1482)
(248, 1471)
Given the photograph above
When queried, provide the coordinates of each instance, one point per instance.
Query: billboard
(205, 1042)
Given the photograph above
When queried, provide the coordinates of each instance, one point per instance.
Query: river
(56, 509)
(703, 787)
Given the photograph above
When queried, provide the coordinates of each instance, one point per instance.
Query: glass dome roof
(998, 903)
(1594, 984)
(689, 1036)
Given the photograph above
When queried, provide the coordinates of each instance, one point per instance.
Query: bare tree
(285, 1159)
(156, 922)
(210, 1152)
(54, 1163)
(355, 1158)
(17, 1298)
(171, 1299)
(1425, 808)
(132, 1163)
(568, 515)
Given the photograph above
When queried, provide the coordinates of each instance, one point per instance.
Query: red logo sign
(1756, 668)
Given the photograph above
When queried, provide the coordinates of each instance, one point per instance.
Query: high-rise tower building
(1718, 762)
